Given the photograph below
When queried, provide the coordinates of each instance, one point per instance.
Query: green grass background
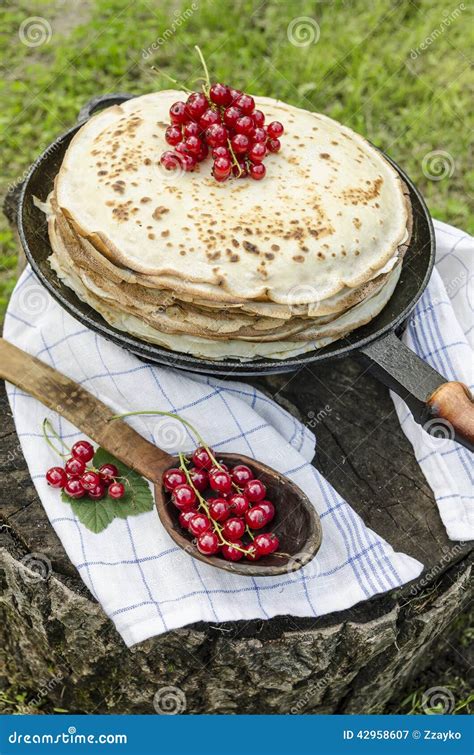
(361, 71)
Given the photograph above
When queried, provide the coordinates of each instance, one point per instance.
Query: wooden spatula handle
(80, 407)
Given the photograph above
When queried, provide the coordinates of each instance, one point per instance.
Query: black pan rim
(167, 357)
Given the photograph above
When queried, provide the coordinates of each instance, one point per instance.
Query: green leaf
(97, 515)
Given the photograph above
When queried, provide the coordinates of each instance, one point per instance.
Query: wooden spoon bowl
(296, 522)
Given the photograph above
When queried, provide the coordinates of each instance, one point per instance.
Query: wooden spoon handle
(80, 407)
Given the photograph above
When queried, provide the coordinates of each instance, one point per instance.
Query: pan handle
(444, 408)
(100, 102)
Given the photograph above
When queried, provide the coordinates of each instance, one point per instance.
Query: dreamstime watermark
(34, 300)
(315, 418)
(170, 434)
(438, 32)
(440, 433)
(37, 568)
(449, 554)
(437, 701)
(179, 20)
(437, 164)
(35, 31)
(315, 688)
(47, 151)
(169, 701)
(303, 31)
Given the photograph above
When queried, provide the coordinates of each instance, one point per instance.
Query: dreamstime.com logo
(303, 31)
(35, 31)
(439, 433)
(169, 701)
(69, 737)
(170, 435)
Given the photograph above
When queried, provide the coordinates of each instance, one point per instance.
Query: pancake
(331, 211)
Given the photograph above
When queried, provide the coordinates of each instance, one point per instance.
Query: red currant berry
(178, 113)
(219, 509)
(90, 480)
(266, 543)
(246, 103)
(193, 145)
(259, 135)
(231, 114)
(173, 135)
(208, 118)
(181, 149)
(233, 529)
(196, 105)
(241, 474)
(201, 458)
(216, 135)
(199, 478)
(234, 94)
(83, 450)
(220, 152)
(273, 145)
(256, 518)
(241, 171)
(191, 128)
(222, 167)
(170, 160)
(183, 497)
(240, 143)
(203, 152)
(188, 162)
(74, 467)
(220, 480)
(255, 491)
(220, 94)
(275, 129)
(56, 477)
(98, 492)
(257, 152)
(107, 472)
(231, 553)
(257, 171)
(239, 504)
(172, 478)
(198, 524)
(251, 553)
(268, 508)
(73, 488)
(116, 490)
(185, 517)
(208, 543)
(258, 118)
(244, 125)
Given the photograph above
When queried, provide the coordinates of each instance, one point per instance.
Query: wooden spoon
(296, 522)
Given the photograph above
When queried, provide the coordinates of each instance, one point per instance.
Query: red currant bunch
(224, 122)
(220, 506)
(79, 480)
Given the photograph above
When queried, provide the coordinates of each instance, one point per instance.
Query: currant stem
(234, 159)
(202, 502)
(48, 426)
(173, 416)
(207, 85)
(173, 81)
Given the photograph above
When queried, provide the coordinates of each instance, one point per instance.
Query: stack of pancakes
(239, 269)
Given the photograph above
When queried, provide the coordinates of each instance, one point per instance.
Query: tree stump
(58, 640)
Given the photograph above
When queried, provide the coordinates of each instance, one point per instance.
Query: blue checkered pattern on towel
(142, 580)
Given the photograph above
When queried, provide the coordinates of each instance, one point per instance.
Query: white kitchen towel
(441, 331)
(143, 581)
